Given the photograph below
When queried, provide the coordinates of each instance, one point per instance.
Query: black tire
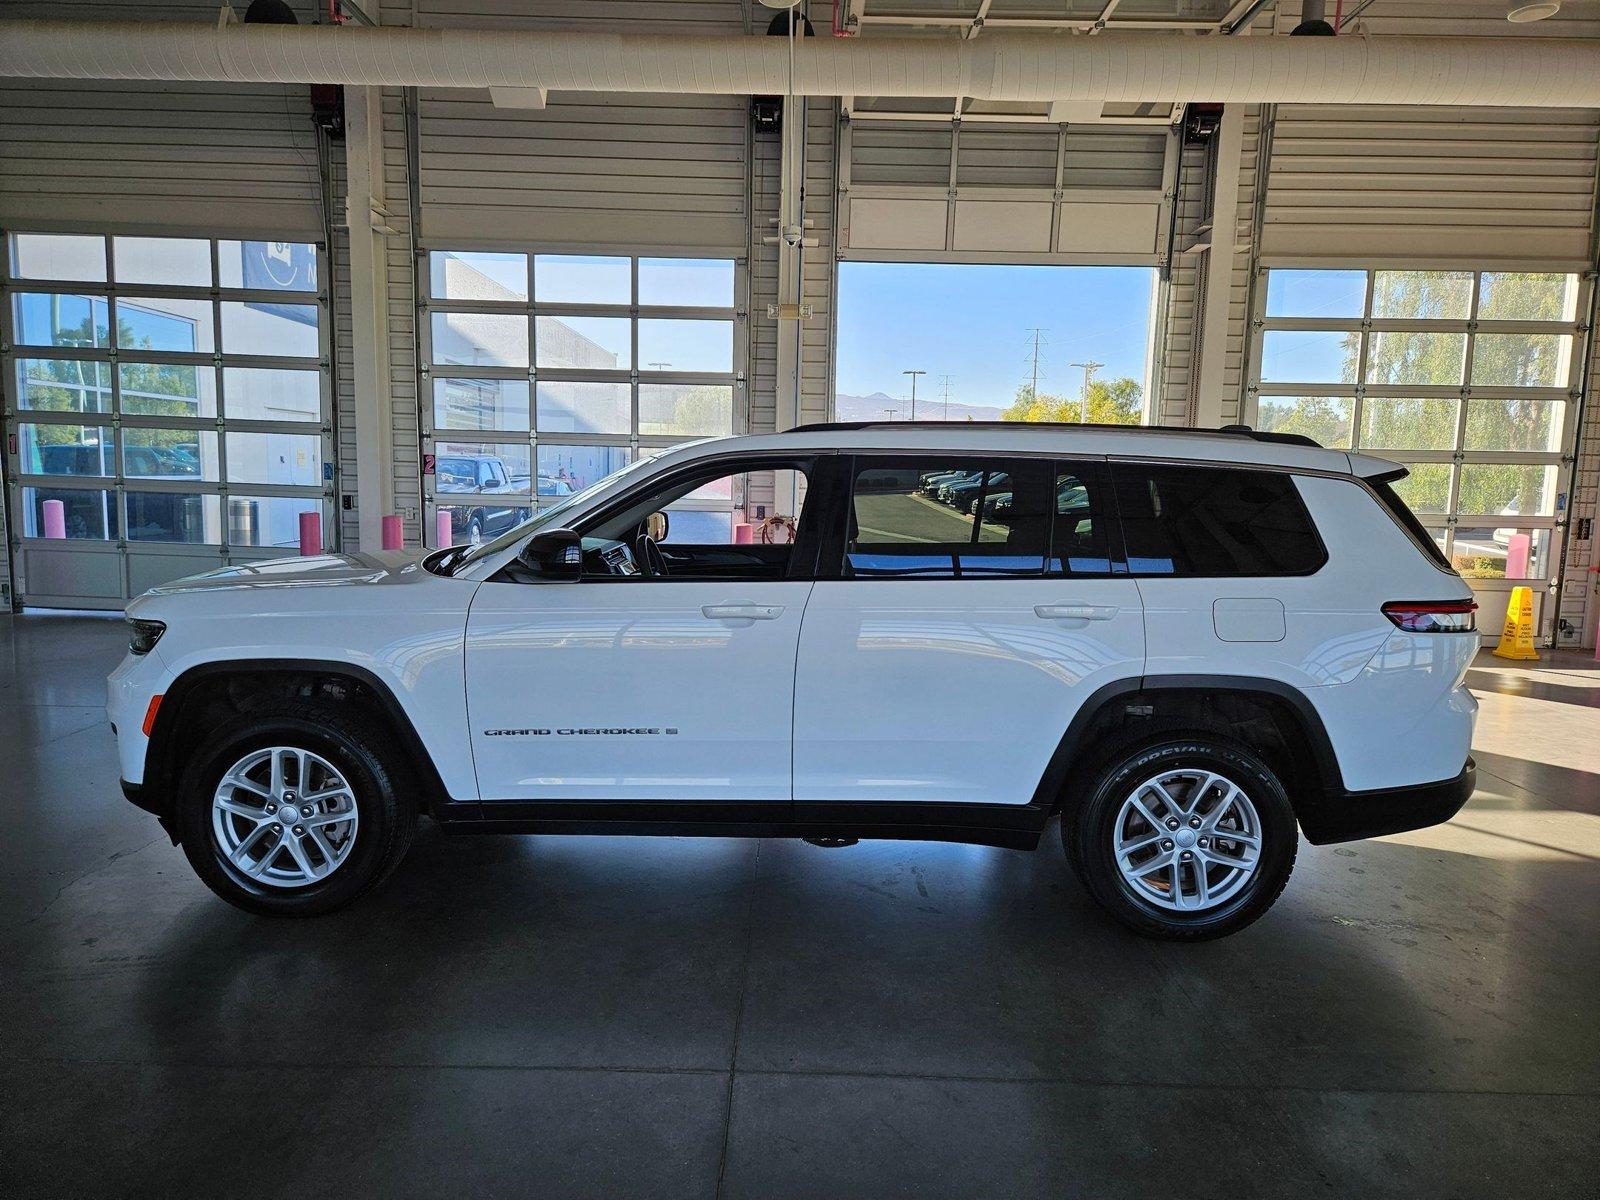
(1088, 830)
(359, 748)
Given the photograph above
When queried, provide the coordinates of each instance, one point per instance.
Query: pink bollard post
(1519, 547)
(743, 535)
(394, 534)
(55, 519)
(443, 531)
(310, 534)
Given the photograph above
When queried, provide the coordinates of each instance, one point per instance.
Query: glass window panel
(268, 521)
(1326, 419)
(58, 256)
(85, 514)
(498, 404)
(1521, 360)
(1532, 426)
(63, 385)
(685, 409)
(55, 320)
(585, 343)
(169, 262)
(478, 275)
(290, 459)
(1422, 295)
(64, 449)
(148, 323)
(1426, 489)
(567, 469)
(268, 266)
(1501, 553)
(189, 454)
(167, 390)
(1428, 359)
(582, 279)
(1316, 293)
(686, 282)
(269, 329)
(698, 527)
(571, 407)
(272, 394)
(1507, 489)
(480, 339)
(1309, 356)
(1408, 424)
(483, 468)
(674, 345)
(1513, 296)
(174, 517)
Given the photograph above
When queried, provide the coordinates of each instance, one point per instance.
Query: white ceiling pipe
(1533, 72)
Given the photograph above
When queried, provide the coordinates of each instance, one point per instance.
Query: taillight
(1433, 616)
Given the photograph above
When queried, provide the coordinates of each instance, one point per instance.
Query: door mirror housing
(554, 555)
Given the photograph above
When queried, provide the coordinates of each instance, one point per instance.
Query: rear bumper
(1348, 816)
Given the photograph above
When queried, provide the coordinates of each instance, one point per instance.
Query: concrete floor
(1418, 1017)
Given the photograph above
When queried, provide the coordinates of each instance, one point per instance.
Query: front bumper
(1349, 816)
(152, 802)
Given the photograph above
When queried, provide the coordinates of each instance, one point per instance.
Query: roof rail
(1255, 435)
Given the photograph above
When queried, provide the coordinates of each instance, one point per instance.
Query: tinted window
(1079, 530)
(1214, 521)
(943, 517)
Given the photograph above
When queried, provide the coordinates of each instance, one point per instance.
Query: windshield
(550, 516)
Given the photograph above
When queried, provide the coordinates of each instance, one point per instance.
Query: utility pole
(913, 375)
(890, 412)
(1089, 368)
(946, 397)
(1037, 338)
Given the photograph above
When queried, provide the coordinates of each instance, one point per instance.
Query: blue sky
(974, 323)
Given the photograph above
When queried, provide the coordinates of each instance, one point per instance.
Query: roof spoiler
(1377, 470)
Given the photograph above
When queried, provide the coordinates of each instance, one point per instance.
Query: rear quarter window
(1184, 521)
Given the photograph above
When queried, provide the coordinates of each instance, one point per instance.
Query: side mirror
(554, 555)
(656, 526)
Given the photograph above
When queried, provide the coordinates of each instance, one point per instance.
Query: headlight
(143, 635)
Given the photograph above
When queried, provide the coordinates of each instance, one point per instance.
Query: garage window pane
(485, 468)
(174, 517)
(65, 257)
(1521, 360)
(582, 279)
(1524, 426)
(1299, 356)
(571, 407)
(1426, 489)
(669, 345)
(685, 409)
(686, 282)
(189, 454)
(63, 385)
(567, 469)
(268, 266)
(268, 521)
(1504, 552)
(477, 275)
(167, 390)
(1316, 293)
(1514, 296)
(169, 262)
(176, 326)
(86, 515)
(1508, 489)
(1422, 295)
(287, 330)
(497, 404)
(64, 449)
(480, 339)
(290, 459)
(585, 343)
(1429, 359)
(56, 320)
(270, 394)
(1326, 419)
(1408, 424)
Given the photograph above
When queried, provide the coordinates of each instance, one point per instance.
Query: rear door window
(1081, 524)
(1187, 521)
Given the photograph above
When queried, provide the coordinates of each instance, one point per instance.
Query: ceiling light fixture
(1529, 13)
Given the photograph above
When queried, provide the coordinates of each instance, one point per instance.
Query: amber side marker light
(150, 715)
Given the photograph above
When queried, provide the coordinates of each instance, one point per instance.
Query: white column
(1213, 333)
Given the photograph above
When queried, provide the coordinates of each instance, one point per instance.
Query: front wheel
(1185, 839)
(294, 813)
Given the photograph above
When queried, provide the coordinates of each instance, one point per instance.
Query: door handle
(742, 612)
(1076, 612)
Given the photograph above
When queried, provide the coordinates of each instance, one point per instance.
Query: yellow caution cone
(1516, 641)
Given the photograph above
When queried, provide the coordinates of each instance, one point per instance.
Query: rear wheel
(1186, 838)
(295, 812)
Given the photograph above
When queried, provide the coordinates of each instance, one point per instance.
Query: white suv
(1184, 643)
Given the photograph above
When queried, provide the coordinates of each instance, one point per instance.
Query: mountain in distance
(872, 408)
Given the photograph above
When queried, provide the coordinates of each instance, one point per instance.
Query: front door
(966, 627)
(666, 674)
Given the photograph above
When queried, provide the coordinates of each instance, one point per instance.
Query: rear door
(946, 649)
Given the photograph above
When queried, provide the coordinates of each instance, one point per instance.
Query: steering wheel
(651, 560)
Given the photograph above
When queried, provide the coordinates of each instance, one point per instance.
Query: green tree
(1111, 402)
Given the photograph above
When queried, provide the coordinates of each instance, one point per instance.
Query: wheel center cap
(1184, 837)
